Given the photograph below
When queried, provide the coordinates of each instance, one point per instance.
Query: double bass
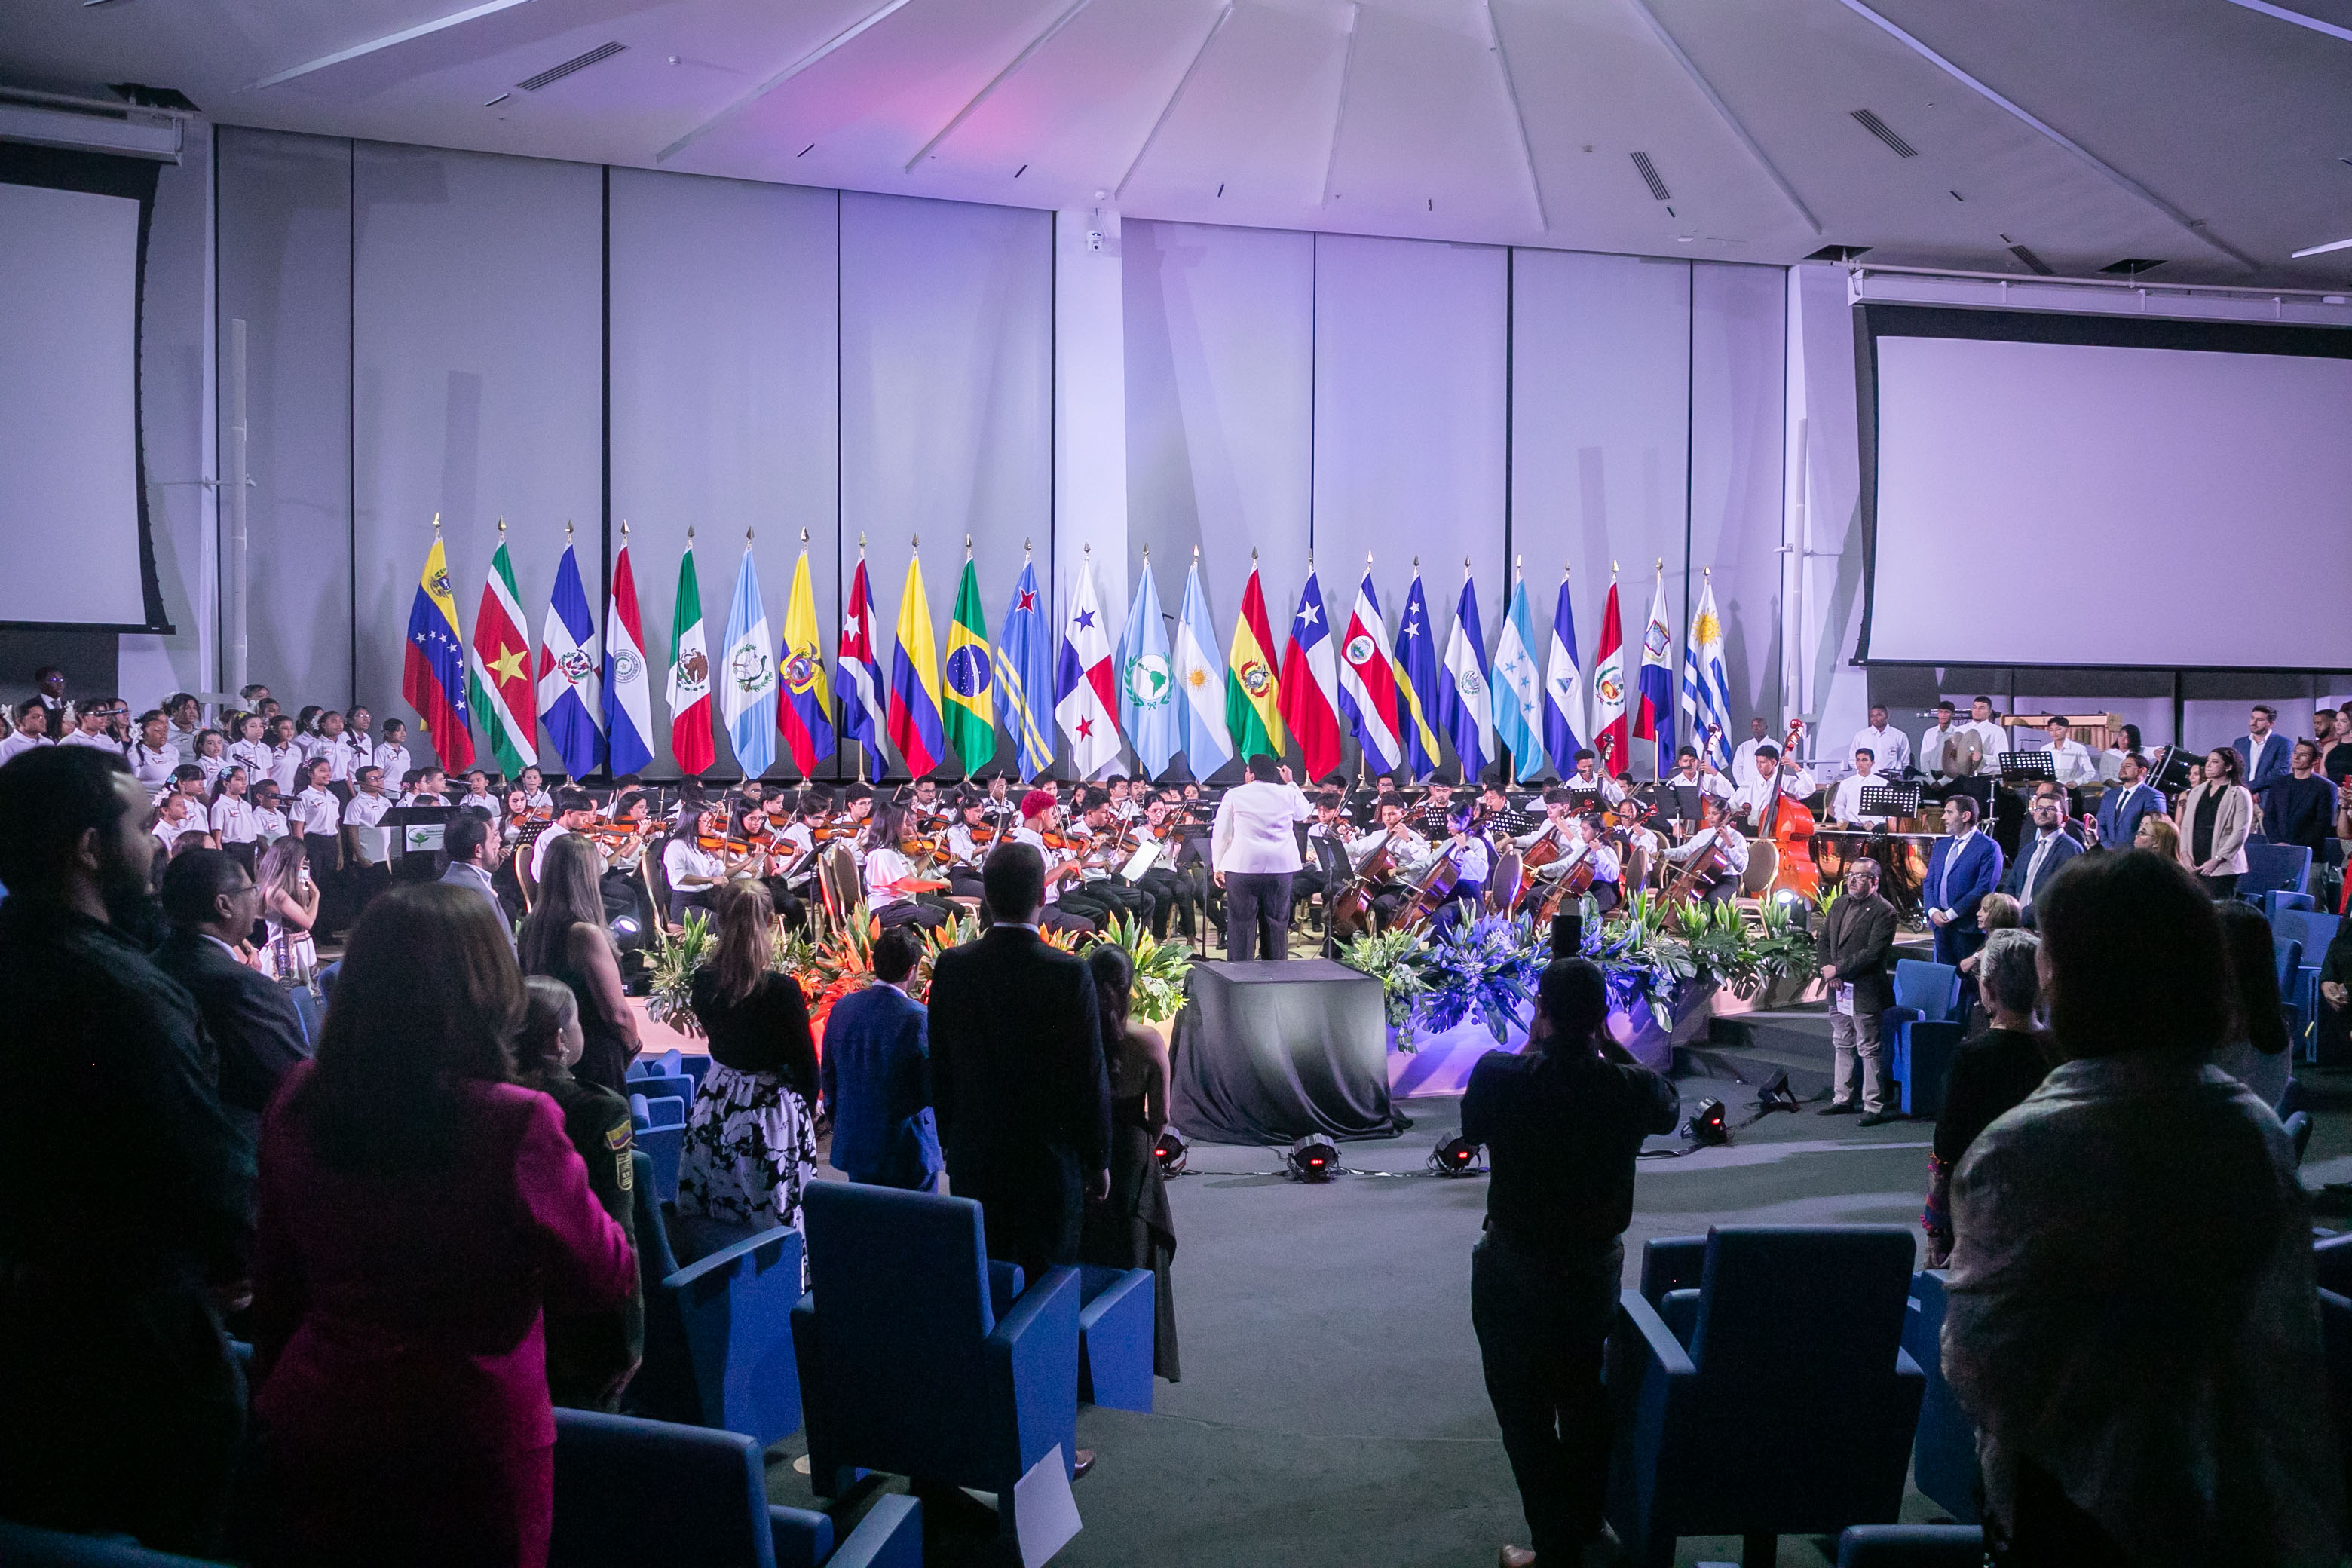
(1789, 824)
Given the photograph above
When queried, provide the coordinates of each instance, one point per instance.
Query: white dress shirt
(1931, 746)
(1254, 834)
(363, 751)
(151, 766)
(1846, 805)
(1735, 847)
(1889, 749)
(555, 830)
(1025, 833)
(337, 750)
(318, 812)
(1743, 761)
(1756, 795)
(233, 820)
(20, 742)
(211, 765)
(488, 803)
(367, 811)
(537, 800)
(1472, 859)
(1994, 737)
(182, 741)
(284, 763)
(1610, 791)
(253, 756)
(102, 740)
(2070, 761)
(683, 857)
(168, 832)
(393, 761)
(269, 826)
(884, 865)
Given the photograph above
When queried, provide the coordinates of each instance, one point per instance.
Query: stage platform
(1750, 1046)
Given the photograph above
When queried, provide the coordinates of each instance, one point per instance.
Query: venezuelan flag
(914, 715)
(433, 677)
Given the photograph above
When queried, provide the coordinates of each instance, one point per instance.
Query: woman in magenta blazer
(417, 1212)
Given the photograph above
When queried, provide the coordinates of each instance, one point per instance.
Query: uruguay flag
(1518, 690)
(433, 677)
(568, 686)
(628, 696)
(1563, 708)
(1466, 709)
(748, 673)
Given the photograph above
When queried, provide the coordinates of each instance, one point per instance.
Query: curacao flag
(433, 671)
(970, 676)
(805, 717)
(1086, 691)
(497, 672)
(1309, 684)
(1608, 687)
(692, 741)
(1367, 679)
(1417, 681)
(568, 697)
(628, 696)
(1024, 673)
(914, 714)
(1252, 685)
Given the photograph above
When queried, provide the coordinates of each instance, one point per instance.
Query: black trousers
(1031, 1203)
(1097, 901)
(1257, 915)
(1542, 1321)
(2222, 888)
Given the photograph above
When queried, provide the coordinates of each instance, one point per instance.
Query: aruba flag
(433, 675)
(914, 719)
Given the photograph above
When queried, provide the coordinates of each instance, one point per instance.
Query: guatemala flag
(1464, 706)
(567, 700)
(747, 673)
(1025, 675)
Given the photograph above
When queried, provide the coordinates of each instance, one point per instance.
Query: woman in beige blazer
(2214, 819)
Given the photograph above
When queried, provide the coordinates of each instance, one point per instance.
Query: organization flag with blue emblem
(1147, 683)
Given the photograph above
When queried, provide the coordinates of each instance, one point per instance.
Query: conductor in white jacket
(1255, 851)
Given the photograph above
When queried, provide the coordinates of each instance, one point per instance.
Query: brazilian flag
(971, 679)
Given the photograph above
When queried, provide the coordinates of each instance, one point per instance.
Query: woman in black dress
(1133, 1228)
(1990, 1074)
(565, 939)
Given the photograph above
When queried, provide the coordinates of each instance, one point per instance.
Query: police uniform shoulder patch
(619, 1136)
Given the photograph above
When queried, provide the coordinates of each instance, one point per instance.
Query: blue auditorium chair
(1921, 1031)
(906, 1366)
(1726, 1433)
(23, 1546)
(1944, 1454)
(2298, 1127)
(1671, 1263)
(1911, 1546)
(647, 1494)
(660, 1129)
(2282, 867)
(1117, 1325)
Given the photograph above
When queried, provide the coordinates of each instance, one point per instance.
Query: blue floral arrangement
(1489, 965)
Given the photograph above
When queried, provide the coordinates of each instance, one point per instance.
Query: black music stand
(2174, 770)
(2028, 767)
(1889, 800)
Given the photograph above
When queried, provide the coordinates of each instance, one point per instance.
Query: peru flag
(1609, 690)
(1368, 692)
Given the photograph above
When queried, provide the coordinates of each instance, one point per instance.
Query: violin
(719, 844)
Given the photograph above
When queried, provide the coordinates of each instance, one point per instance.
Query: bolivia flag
(1253, 688)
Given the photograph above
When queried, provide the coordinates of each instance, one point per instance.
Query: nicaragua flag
(567, 700)
(804, 715)
(1654, 690)
(858, 673)
(1309, 684)
(748, 697)
(914, 715)
(1563, 709)
(1416, 674)
(433, 671)
(1518, 691)
(1707, 695)
(1464, 704)
(628, 695)
(1146, 686)
(1025, 675)
(1367, 680)
(1201, 681)
(1086, 693)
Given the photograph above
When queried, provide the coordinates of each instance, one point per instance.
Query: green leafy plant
(1388, 957)
(1160, 968)
(1783, 948)
(669, 994)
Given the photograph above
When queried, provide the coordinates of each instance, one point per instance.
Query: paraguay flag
(1309, 684)
(568, 702)
(1367, 679)
(628, 696)
(1563, 705)
(858, 674)
(806, 715)
(1024, 673)
(915, 679)
(433, 673)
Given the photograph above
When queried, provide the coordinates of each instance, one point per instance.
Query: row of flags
(1397, 697)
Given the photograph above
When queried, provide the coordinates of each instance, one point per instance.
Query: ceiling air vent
(2130, 267)
(577, 63)
(1878, 128)
(1837, 253)
(1650, 178)
(2032, 261)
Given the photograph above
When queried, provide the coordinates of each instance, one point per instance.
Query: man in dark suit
(212, 904)
(1855, 945)
(2044, 852)
(1961, 869)
(2266, 754)
(877, 1077)
(1019, 1083)
(2128, 800)
(473, 850)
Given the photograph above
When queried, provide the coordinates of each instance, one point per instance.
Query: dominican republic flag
(1707, 695)
(498, 674)
(1416, 675)
(857, 674)
(1086, 689)
(914, 713)
(1367, 694)
(433, 673)
(806, 714)
(1563, 708)
(1609, 689)
(1654, 720)
(1025, 675)
(693, 743)
(628, 696)
(1466, 709)
(1518, 689)
(568, 703)
(747, 699)
(1207, 744)
(1310, 684)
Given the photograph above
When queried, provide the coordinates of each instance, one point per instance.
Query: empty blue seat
(2298, 1127)
(23, 1546)
(309, 1011)
(1726, 1433)
(1911, 1546)
(656, 1110)
(1117, 1329)
(905, 1364)
(2284, 868)
(647, 1494)
(1920, 1032)
(1944, 1453)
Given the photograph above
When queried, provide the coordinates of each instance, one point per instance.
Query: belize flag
(1654, 721)
(433, 673)
(748, 699)
(567, 700)
(858, 674)
(914, 715)
(1464, 705)
(1563, 707)
(806, 715)
(1608, 687)
(692, 741)
(628, 696)
(1367, 679)
(1024, 673)
(1085, 692)
(1309, 683)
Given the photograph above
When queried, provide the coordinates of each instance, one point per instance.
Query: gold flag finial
(437, 522)
(567, 531)
(502, 526)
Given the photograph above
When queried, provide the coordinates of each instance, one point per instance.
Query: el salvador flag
(568, 697)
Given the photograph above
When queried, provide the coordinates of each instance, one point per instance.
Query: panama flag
(1024, 673)
(1367, 694)
(498, 674)
(628, 695)
(805, 713)
(1416, 674)
(857, 674)
(1208, 745)
(1464, 704)
(1654, 720)
(1253, 689)
(914, 714)
(691, 739)
(433, 673)
(1609, 689)
(1707, 695)
(1563, 709)
(568, 703)
(1085, 692)
(1310, 684)
(970, 675)
(748, 698)
(1518, 690)
(1147, 686)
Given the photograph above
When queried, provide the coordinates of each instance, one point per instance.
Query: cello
(1352, 906)
(1432, 892)
(1789, 824)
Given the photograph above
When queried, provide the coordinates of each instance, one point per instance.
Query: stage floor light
(1457, 1156)
(1314, 1158)
(1171, 1152)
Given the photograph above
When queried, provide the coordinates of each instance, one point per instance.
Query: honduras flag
(1518, 689)
(568, 686)
(748, 673)
(1024, 675)
(1464, 705)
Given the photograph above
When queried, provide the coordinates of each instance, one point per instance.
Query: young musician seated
(1579, 845)
(1409, 860)
(1729, 861)
(1756, 804)
(1845, 804)
(1041, 815)
(1429, 818)
(1172, 890)
(970, 839)
(1473, 858)
(1099, 891)
(695, 874)
(2070, 760)
(1590, 787)
(887, 871)
(1497, 814)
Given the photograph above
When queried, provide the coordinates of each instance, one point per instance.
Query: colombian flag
(914, 717)
(971, 694)
(433, 679)
(1253, 688)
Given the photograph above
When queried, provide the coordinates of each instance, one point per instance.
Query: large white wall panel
(722, 312)
(1739, 337)
(478, 380)
(285, 270)
(947, 329)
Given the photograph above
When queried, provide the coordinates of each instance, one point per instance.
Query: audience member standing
(564, 938)
(2263, 749)
(418, 1211)
(2256, 1052)
(877, 1076)
(2299, 806)
(472, 845)
(1989, 1073)
(2215, 819)
(1562, 1121)
(1855, 946)
(121, 1407)
(2044, 851)
(2131, 1323)
(290, 910)
(1961, 869)
(1255, 847)
(2123, 807)
(1133, 1227)
(212, 905)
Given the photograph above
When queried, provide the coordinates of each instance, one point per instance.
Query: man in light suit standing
(877, 1077)
(2268, 754)
(1961, 869)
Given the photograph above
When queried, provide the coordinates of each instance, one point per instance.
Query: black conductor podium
(1269, 1051)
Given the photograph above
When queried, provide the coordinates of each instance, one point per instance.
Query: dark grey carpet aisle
(1332, 1414)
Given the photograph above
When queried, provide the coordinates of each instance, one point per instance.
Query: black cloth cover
(1269, 1052)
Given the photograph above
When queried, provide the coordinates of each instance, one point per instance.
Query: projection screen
(2110, 503)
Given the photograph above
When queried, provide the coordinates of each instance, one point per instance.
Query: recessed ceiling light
(495, 101)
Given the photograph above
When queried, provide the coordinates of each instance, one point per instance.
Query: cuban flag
(1025, 675)
(628, 695)
(1465, 708)
(863, 717)
(568, 686)
(1609, 689)
(433, 673)
(1654, 721)
(1563, 706)
(1367, 680)
(1086, 689)
(1310, 685)
(747, 697)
